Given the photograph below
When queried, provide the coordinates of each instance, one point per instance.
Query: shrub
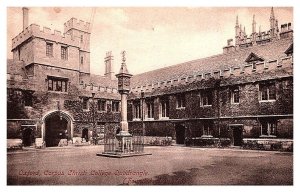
(252, 144)
(224, 142)
(276, 146)
(208, 142)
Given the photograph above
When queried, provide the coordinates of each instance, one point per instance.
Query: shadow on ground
(176, 178)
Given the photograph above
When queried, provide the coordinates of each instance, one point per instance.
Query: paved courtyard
(172, 165)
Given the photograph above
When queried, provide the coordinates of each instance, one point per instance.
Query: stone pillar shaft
(124, 107)
(124, 123)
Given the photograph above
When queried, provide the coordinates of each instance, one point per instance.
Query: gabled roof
(290, 49)
(269, 51)
(253, 57)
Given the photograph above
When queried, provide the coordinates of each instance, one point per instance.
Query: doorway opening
(237, 135)
(57, 128)
(27, 137)
(85, 134)
(180, 133)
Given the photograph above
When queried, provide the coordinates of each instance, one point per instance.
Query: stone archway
(57, 125)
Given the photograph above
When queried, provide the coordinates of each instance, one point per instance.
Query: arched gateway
(57, 125)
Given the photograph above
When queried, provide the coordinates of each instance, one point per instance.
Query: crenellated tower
(80, 30)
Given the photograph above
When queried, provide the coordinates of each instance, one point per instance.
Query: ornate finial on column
(123, 53)
(123, 68)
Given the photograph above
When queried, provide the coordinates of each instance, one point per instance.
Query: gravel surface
(172, 165)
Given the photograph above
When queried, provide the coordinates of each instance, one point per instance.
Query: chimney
(230, 47)
(286, 31)
(25, 17)
(229, 42)
(109, 65)
(289, 26)
(283, 27)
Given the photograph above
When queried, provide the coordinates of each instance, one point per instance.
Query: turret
(253, 30)
(273, 26)
(237, 31)
(109, 73)
(272, 19)
(81, 31)
(253, 25)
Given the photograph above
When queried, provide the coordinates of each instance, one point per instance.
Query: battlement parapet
(73, 23)
(46, 33)
(97, 88)
(233, 71)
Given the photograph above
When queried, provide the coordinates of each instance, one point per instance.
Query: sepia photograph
(149, 96)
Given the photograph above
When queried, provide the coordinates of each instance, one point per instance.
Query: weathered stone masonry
(258, 118)
(193, 102)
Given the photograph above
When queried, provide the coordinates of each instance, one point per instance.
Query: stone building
(51, 93)
(241, 96)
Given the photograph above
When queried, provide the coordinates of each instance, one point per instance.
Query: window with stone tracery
(58, 84)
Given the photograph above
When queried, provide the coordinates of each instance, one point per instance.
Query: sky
(152, 37)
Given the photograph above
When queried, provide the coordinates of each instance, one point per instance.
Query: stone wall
(155, 128)
(40, 56)
(249, 112)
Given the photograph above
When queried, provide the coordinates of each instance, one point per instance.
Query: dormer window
(252, 59)
(290, 50)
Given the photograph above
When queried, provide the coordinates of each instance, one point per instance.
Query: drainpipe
(218, 108)
(143, 123)
(94, 132)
